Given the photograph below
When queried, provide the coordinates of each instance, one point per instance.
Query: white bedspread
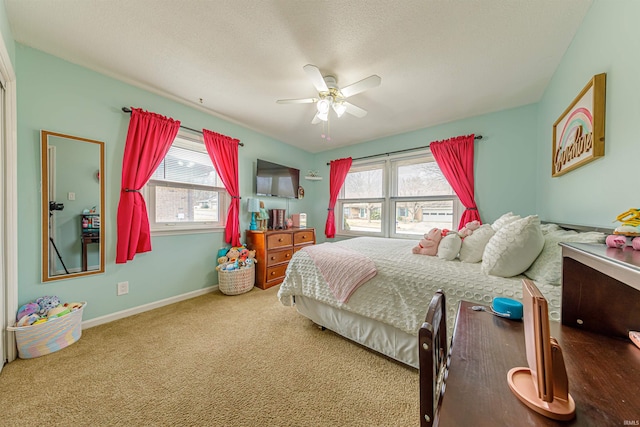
(401, 291)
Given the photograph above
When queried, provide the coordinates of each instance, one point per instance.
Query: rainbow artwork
(578, 134)
(574, 139)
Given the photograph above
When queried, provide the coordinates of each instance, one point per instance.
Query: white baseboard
(146, 307)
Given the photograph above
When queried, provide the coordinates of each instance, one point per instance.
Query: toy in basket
(54, 330)
(236, 270)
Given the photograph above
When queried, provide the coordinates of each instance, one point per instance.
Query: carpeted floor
(214, 360)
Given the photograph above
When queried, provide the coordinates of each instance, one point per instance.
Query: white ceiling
(439, 60)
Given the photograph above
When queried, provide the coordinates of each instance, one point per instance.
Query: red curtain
(149, 138)
(223, 151)
(338, 172)
(455, 159)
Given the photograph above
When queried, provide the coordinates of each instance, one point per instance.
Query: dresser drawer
(276, 273)
(279, 240)
(277, 257)
(303, 237)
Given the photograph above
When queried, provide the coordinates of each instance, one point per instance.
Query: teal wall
(6, 33)
(505, 159)
(512, 162)
(608, 41)
(62, 97)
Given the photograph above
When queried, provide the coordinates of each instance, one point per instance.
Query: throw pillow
(513, 248)
(473, 245)
(505, 219)
(547, 268)
(449, 246)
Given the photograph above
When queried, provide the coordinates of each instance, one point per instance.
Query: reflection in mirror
(72, 204)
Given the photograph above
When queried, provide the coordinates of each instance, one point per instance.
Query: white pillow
(473, 245)
(513, 248)
(505, 219)
(449, 246)
(547, 268)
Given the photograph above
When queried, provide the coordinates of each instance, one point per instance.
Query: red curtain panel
(223, 151)
(149, 138)
(338, 173)
(455, 159)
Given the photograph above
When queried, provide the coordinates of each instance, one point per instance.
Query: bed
(386, 312)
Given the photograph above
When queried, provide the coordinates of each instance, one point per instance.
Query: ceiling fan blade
(355, 110)
(297, 101)
(315, 75)
(361, 86)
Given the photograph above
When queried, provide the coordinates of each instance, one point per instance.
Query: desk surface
(603, 375)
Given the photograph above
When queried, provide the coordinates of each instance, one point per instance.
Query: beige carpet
(214, 360)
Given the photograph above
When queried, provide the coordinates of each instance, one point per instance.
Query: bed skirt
(372, 334)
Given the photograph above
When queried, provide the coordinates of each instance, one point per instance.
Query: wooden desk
(603, 375)
(86, 240)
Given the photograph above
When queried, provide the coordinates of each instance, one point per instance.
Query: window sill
(175, 231)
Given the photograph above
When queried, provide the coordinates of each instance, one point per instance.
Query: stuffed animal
(469, 228)
(429, 244)
(47, 303)
(233, 254)
(27, 309)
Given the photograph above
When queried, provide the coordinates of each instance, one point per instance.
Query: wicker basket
(52, 335)
(235, 282)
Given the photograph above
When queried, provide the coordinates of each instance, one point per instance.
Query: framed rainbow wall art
(578, 135)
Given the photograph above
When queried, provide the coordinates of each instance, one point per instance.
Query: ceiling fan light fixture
(339, 108)
(323, 116)
(323, 106)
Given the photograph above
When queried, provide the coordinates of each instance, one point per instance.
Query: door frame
(9, 214)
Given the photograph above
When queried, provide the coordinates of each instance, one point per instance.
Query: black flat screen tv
(276, 180)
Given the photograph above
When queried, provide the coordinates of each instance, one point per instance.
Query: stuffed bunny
(429, 244)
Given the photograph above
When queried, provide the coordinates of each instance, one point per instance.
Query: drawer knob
(273, 273)
(286, 256)
(272, 258)
(279, 240)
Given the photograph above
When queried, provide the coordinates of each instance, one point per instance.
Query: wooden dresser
(274, 249)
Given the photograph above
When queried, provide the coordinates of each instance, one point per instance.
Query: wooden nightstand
(601, 288)
(274, 249)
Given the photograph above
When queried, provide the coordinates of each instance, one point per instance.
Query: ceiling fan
(330, 96)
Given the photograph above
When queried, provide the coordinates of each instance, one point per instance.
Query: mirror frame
(44, 190)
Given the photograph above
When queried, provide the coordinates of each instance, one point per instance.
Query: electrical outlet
(123, 288)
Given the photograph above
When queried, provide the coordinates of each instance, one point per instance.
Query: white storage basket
(52, 335)
(235, 282)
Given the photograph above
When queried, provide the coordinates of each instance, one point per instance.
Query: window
(401, 197)
(185, 194)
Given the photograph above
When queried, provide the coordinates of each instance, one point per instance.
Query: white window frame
(389, 198)
(196, 143)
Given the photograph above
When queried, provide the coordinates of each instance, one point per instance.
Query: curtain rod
(128, 110)
(398, 151)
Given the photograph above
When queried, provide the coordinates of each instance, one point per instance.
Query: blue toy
(47, 303)
(27, 309)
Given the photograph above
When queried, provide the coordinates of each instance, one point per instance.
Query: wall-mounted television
(276, 180)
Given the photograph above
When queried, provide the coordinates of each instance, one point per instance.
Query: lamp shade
(253, 205)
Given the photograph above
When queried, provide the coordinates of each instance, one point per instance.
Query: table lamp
(253, 206)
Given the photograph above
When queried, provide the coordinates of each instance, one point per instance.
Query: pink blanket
(344, 270)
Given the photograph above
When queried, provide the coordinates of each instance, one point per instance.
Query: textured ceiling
(439, 60)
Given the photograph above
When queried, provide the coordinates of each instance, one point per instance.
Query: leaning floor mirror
(72, 205)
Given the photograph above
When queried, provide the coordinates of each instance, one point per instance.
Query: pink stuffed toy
(469, 228)
(429, 244)
(620, 242)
